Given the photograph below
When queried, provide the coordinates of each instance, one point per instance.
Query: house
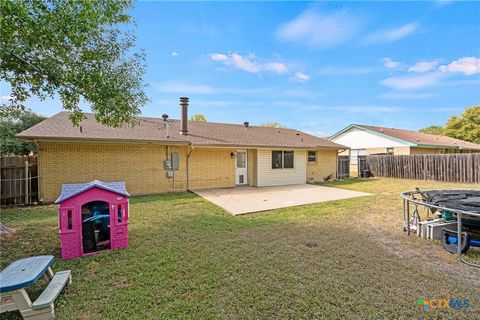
(372, 140)
(163, 155)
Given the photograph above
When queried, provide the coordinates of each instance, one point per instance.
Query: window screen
(312, 156)
(276, 159)
(288, 159)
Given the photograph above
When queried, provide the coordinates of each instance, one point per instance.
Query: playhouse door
(119, 225)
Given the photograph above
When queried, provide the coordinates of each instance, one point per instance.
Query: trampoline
(460, 207)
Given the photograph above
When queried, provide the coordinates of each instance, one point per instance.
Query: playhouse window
(69, 220)
(119, 218)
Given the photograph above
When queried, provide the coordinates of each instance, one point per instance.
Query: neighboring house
(371, 140)
(159, 156)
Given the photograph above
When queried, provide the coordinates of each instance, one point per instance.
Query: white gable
(360, 139)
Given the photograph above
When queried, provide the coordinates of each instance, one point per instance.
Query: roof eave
(433, 146)
(382, 134)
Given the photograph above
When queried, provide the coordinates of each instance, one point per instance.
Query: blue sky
(316, 67)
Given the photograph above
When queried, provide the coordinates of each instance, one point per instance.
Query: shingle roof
(71, 190)
(153, 130)
(422, 139)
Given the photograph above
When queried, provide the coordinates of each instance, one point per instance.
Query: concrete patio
(246, 199)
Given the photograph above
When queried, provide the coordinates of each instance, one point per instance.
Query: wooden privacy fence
(18, 180)
(438, 167)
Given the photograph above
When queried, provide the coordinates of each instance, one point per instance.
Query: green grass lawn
(189, 259)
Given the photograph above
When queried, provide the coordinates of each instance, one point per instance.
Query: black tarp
(465, 200)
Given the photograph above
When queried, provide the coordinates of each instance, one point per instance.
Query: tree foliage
(435, 129)
(10, 126)
(76, 50)
(466, 126)
(273, 125)
(198, 117)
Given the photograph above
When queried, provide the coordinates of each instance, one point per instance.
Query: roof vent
(381, 130)
(246, 124)
(166, 124)
(418, 139)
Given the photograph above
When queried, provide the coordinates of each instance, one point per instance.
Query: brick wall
(211, 168)
(139, 165)
(325, 164)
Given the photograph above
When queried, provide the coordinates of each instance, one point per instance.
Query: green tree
(198, 117)
(13, 124)
(273, 125)
(466, 126)
(78, 50)
(435, 129)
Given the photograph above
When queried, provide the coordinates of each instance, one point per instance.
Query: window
(277, 160)
(288, 159)
(119, 214)
(69, 220)
(241, 159)
(312, 156)
(282, 159)
(354, 153)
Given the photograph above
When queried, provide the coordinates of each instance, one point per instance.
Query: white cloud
(390, 64)
(320, 30)
(184, 88)
(174, 53)
(442, 3)
(405, 95)
(423, 66)
(5, 98)
(468, 66)
(301, 77)
(411, 82)
(392, 35)
(276, 67)
(249, 63)
(243, 63)
(219, 57)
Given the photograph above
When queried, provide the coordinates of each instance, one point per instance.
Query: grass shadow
(343, 182)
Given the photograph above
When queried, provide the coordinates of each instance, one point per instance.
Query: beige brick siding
(401, 151)
(325, 165)
(212, 168)
(252, 167)
(139, 165)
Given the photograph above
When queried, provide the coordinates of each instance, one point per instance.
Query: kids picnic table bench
(24, 273)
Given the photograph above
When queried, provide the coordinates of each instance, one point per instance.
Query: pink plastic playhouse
(92, 217)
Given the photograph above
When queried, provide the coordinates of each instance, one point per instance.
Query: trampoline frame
(408, 198)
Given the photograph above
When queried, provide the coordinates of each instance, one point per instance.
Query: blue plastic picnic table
(24, 272)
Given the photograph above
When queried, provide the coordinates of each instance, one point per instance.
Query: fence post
(26, 182)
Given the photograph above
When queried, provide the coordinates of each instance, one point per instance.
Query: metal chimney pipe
(184, 105)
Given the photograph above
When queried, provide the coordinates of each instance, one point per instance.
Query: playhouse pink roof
(71, 190)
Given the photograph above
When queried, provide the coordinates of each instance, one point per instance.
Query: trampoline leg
(459, 233)
(408, 218)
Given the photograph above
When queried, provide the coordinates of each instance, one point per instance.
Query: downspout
(39, 176)
(188, 173)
